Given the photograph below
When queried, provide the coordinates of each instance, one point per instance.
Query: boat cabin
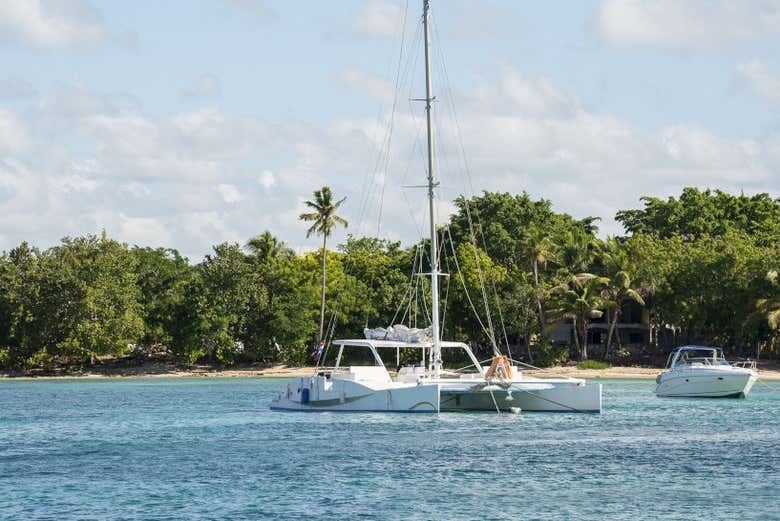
(365, 359)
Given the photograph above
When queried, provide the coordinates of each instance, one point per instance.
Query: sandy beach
(769, 371)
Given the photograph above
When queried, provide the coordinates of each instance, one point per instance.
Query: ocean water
(211, 449)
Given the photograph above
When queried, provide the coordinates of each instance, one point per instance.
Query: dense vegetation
(703, 267)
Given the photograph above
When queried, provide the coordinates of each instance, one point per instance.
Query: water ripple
(211, 449)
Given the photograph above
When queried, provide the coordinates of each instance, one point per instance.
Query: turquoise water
(211, 449)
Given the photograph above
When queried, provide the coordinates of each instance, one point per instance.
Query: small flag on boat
(318, 352)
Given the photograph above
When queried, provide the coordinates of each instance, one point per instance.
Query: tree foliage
(701, 266)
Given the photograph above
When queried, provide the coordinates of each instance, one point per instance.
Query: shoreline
(160, 370)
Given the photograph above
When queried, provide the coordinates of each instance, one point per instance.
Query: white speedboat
(696, 371)
(370, 388)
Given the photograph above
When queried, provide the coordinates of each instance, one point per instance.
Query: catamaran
(360, 381)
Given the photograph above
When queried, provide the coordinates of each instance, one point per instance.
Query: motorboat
(369, 387)
(698, 371)
(427, 376)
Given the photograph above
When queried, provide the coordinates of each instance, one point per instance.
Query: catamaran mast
(432, 184)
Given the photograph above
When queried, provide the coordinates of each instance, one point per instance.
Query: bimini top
(365, 342)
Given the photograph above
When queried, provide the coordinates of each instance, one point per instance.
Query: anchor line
(556, 403)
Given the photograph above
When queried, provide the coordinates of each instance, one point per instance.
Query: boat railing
(745, 364)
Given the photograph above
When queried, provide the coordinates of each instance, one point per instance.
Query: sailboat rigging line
(525, 364)
(411, 293)
(480, 274)
(450, 98)
(382, 159)
(369, 183)
(495, 403)
(559, 404)
(447, 290)
(463, 283)
(500, 316)
(386, 159)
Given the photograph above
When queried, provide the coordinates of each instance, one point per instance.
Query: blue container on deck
(305, 395)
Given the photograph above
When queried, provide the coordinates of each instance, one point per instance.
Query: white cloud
(135, 189)
(143, 231)
(690, 23)
(51, 23)
(761, 80)
(14, 135)
(230, 194)
(16, 88)
(73, 183)
(528, 96)
(266, 179)
(208, 229)
(374, 87)
(379, 18)
(206, 86)
(89, 162)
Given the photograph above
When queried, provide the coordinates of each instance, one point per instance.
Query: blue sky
(186, 124)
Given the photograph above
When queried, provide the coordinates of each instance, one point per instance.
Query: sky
(185, 124)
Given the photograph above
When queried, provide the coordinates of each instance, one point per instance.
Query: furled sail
(400, 333)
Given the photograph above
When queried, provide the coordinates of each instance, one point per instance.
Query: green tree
(229, 288)
(163, 278)
(699, 214)
(380, 270)
(504, 220)
(580, 299)
(618, 269)
(767, 308)
(538, 247)
(324, 221)
(266, 247)
(576, 250)
(108, 316)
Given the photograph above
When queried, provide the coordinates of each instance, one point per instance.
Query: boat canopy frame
(674, 356)
(374, 345)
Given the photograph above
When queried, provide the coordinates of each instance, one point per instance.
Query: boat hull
(559, 398)
(711, 384)
(320, 394)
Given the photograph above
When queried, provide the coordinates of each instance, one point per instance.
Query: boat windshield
(345, 356)
(453, 358)
(693, 357)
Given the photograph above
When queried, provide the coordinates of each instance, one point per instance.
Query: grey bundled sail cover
(400, 333)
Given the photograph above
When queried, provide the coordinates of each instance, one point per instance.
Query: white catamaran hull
(549, 398)
(319, 393)
(712, 383)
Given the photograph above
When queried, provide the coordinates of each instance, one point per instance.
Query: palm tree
(575, 250)
(324, 220)
(580, 299)
(619, 291)
(769, 308)
(538, 248)
(265, 247)
(617, 266)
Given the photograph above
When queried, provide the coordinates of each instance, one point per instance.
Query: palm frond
(308, 217)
